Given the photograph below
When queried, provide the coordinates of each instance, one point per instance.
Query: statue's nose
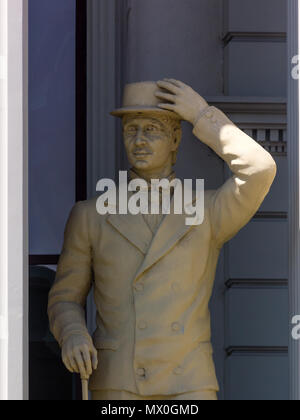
(140, 139)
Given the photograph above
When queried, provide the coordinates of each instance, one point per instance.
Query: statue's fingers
(94, 354)
(168, 86)
(72, 364)
(79, 363)
(168, 107)
(175, 82)
(167, 96)
(87, 360)
(67, 363)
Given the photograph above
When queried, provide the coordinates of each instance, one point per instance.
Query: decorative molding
(250, 105)
(244, 283)
(256, 350)
(272, 139)
(271, 215)
(254, 37)
(263, 119)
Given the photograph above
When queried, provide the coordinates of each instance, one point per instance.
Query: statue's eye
(131, 130)
(151, 128)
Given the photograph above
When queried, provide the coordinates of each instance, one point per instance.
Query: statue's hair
(173, 124)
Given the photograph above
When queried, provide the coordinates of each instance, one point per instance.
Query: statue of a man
(153, 274)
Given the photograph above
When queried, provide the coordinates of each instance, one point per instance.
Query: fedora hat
(140, 98)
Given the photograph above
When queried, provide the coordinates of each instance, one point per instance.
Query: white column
(13, 201)
(294, 193)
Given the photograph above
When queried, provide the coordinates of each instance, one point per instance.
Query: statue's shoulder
(209, 193)
(208, 198)
(87, 206)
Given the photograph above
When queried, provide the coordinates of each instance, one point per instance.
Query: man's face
(149, 142)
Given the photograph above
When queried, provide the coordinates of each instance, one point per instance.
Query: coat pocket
(106, 344)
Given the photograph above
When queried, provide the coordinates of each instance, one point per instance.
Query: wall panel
(257, 377)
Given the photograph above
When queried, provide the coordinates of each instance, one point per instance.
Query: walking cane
(85, 390)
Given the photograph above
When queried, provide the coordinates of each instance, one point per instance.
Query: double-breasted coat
(152, 291)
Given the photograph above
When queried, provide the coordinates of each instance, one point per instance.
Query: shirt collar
(134, 175)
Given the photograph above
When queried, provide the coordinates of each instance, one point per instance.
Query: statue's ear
(174, 157)
(177, 135)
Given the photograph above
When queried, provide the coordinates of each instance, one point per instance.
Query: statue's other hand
(182, 99)
(79, 355)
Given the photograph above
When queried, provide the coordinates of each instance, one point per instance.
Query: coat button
(176, 326)
(176, 287)
(139, 287)
(142, 325)
(141, 372)
(178, 371)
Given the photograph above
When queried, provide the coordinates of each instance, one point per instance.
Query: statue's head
(151, 135)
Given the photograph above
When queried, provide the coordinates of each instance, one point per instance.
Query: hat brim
(142, 110)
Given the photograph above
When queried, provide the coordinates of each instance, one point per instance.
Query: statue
(153, 274)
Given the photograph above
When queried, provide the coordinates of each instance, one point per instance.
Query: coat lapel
(170, 231)
(133, 228)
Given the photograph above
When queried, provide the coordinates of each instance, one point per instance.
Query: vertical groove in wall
(122, 14)
(294, 194)
(106, 49)
(101, 92)
(225, 12)
(81, 102)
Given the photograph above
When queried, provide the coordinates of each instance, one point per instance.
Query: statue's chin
(142, 164)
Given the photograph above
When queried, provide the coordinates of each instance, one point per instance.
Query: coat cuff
(66, 319)
(213, 126)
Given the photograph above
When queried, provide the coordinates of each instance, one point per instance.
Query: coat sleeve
(68, 294)
(253, 171)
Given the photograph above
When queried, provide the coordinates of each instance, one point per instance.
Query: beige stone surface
(152, 289)
(106, 395)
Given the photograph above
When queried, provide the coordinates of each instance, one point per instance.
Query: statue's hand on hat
(182, 99)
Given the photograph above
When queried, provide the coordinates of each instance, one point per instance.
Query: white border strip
(3, 67)
(13, 201)
(3, 203)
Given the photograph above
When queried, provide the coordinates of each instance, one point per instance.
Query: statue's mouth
(142, 154)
